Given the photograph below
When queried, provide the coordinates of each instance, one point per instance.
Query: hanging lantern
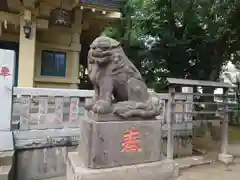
(27, 30)
(4, 5)
(60, 17)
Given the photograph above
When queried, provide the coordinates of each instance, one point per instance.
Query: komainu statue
(118, 85)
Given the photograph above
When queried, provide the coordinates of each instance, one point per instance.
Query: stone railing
(40, 108)
(45, 125)
(59, 110)
(56, 111)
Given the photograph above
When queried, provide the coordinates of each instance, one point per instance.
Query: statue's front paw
(89, 103)
(102, 107)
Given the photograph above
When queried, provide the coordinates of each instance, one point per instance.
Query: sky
(230, 68)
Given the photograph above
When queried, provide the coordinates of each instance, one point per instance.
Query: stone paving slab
(188, 162)
(234, 149)
(200, 168)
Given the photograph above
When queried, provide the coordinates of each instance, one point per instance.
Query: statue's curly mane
(114, 75)
(119, 60)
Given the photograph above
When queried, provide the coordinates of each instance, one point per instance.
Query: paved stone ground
(216, 171)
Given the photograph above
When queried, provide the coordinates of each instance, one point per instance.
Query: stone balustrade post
(170, 119)
(224, 156)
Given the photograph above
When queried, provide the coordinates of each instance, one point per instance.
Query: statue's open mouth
(99, 56)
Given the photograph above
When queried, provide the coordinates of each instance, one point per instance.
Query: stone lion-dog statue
(118, 85)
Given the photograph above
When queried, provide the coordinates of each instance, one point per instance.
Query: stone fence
(45, 125)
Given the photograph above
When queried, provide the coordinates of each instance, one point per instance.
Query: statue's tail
(146, 110)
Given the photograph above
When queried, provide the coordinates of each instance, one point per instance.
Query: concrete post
(75, 61)
(188, 107)
(224, 156)
(224, 147)
(170, 119)
(26, 53)
(75, 54)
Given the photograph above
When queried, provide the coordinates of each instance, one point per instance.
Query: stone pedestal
(161, 170)
(102, 143)
(119, 149)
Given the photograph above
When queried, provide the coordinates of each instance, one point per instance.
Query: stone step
(4, 172)
(6, 157)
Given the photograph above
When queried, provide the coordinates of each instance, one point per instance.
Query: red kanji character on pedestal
(131, 141)
(4, 72)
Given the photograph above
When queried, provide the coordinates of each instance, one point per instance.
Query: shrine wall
(52, 40)
(66, 42)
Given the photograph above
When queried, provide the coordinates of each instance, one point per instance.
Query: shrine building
(51, 38)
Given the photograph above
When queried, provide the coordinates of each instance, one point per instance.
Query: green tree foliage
(191, 38)
(128, 32)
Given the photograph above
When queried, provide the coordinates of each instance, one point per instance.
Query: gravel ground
(216, 171)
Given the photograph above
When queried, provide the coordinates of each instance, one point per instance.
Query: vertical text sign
(131, 141)
(6, 84)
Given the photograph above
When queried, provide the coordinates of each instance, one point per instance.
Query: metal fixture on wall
(27, 28)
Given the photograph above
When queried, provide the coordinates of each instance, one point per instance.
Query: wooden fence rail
(172, 112)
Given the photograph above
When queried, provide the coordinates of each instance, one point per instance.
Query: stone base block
(161, 170)
(6, 165)
(5, 172)
(6, 139)
(225, 158)
(6, 157)
(118, 143)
